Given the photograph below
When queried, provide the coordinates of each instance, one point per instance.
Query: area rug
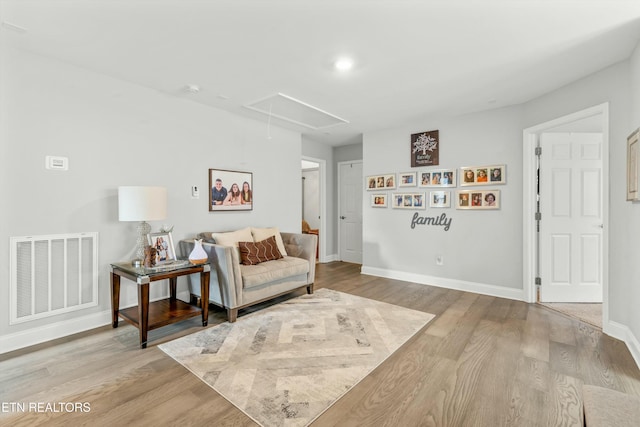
(285, 365)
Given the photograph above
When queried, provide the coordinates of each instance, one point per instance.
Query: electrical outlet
(439, 260)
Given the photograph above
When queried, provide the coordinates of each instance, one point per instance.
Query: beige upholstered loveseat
(235, 286)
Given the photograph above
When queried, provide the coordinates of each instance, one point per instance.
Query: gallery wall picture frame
(478, 199)
(163, 243)
(440, 199)
(407, 179)
(230, 190)
(633, 178)
(483, 175)
(425, 148)
(408, 201)
(437, 178)
(381, 182)
(379, 200)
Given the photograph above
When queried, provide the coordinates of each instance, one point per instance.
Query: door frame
(529, 252)
(339, 165)
(322, 180)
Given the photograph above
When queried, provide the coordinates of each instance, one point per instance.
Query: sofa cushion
(252, 253)
(270, 271)
(262, 233)
(233, 237)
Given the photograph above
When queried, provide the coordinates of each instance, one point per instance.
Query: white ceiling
(414, 60)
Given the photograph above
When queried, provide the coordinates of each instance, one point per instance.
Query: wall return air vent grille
(286, 108)
(53, 274)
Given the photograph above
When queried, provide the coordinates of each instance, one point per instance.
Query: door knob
(343, 217)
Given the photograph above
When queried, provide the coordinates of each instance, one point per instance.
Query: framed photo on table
(163, 244)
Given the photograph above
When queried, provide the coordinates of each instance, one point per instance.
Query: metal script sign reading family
(425, 148)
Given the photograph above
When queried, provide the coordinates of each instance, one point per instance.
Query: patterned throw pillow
(252, 253)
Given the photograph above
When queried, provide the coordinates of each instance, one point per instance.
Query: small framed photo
(633, 151)
(379, 200)
(483, 175)
(478, 199)
(408, 201)
(163, 243)
(437, 178)
(407, 179)
(381, 182)
(440, 199)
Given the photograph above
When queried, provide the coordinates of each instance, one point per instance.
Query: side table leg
(204, 291)
(143, 313)
(115, 299)
(173, 285)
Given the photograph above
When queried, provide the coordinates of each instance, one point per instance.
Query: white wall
(117, 134)
(481, 250)
(610, 85)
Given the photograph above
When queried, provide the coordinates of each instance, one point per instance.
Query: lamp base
(143, 230)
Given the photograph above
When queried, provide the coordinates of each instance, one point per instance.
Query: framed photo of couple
(379, 200)
(230, 190)
(483, 175)
(437, 178)
(478, 199)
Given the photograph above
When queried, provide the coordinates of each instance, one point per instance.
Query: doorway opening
(314, 199)
(547, 251)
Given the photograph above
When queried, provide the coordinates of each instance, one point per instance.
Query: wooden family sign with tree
(425, 147)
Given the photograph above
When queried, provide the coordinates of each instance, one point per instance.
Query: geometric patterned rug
(287, 364)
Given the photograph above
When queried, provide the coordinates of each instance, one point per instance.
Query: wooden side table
(146, 316)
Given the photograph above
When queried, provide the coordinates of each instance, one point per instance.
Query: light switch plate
(195, 192)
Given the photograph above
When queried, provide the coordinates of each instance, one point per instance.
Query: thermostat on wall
(57, 162)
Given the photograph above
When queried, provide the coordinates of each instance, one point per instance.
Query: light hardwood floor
(483, 361)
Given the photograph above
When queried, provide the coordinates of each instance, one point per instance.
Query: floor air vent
(53, 274)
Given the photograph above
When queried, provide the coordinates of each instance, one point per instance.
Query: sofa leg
(310, 289)
(232, 314)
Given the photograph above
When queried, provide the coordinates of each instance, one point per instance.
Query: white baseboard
(623, 333)
(53, 331)
(460, 285)
(331, 258)
(68, 327)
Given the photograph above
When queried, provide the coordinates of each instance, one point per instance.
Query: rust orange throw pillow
(252, 253)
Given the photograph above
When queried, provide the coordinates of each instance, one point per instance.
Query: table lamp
(142, 204)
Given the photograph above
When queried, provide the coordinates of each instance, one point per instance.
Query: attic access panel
(286, 108)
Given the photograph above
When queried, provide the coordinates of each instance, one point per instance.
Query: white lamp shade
(142, 203)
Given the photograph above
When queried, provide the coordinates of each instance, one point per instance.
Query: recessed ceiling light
(343, 64)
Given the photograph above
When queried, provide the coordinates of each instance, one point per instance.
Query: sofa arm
(226, 283)
(302, 246)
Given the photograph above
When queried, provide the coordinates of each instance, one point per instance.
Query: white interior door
(571, 229)
(350, 212)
